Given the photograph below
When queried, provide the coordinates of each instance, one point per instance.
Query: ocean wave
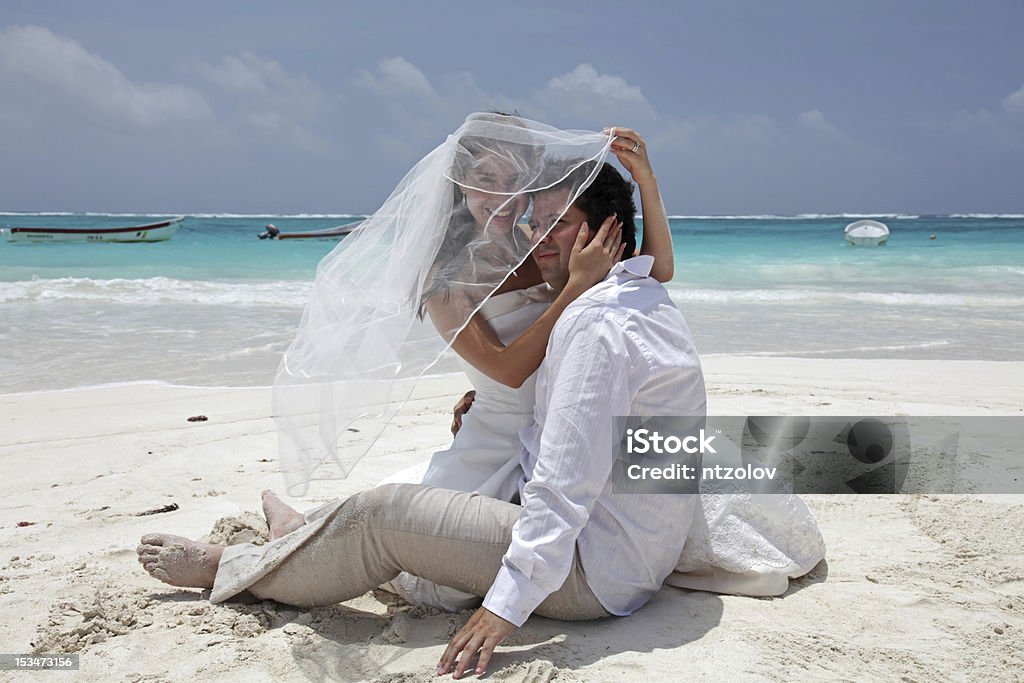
(897, 216)
(917, 299)
(797, 217)
(847, 349)
(92, 214)
(126, 384)
(55, 213)
(277, 215)
(1001, 269)
(160, 290)
(753, 217)
(157, 290)
(95, 214)
(683, 295)
(1012, 216)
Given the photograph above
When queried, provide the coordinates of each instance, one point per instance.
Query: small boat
(154, 232)
(273, 233)
(867, 233)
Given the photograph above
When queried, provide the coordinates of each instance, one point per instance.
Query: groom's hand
(482, 633)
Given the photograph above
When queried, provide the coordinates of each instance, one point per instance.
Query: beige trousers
(349, 547)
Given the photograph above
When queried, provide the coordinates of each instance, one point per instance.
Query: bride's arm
(657, 237)
(513, 364)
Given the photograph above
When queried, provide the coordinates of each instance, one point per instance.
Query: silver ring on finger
(636, 147)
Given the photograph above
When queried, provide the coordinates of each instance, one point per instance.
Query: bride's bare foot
(179, 561)
(281, 517)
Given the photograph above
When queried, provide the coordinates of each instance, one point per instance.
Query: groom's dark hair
(609, 193)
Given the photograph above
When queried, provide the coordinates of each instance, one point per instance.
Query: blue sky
(320, 107)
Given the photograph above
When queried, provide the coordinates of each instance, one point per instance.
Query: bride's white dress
(747, 544)
(484, 457)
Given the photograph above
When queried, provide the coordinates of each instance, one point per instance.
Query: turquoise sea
(216, 306)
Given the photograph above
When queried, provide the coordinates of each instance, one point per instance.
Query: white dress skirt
(746, 544)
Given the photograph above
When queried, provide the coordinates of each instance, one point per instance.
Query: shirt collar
(640, 266)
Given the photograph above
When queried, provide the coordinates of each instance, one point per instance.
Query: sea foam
(683, 295)
(156, 290)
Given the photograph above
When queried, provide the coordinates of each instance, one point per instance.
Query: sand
(918, 587)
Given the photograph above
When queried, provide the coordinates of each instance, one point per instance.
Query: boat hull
(154, 232)
(868, 241)
(316, 235)
(330, 233)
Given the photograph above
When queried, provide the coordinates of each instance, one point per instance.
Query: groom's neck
(559, 283)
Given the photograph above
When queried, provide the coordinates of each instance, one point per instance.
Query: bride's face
(486, 187)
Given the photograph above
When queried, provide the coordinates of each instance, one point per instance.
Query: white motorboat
(153, 232)
(867, 233)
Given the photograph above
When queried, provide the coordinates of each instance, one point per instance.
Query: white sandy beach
(918, 587)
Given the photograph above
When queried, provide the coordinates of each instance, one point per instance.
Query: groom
(577, 548)
(620, 349)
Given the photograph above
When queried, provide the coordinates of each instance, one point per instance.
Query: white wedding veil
(451, 233)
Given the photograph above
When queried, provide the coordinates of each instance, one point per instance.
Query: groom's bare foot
(281, 517)
(179, 561)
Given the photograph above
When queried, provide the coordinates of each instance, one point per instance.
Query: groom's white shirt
(620, 349)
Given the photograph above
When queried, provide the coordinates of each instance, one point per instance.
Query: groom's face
(554, 229)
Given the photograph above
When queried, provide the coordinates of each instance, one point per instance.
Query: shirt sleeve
(588, 364)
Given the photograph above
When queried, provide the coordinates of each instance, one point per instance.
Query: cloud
(267, 97)
(1014, 102)
(816, 121)
(423, 107)
(397, 76)
(994, 129)
(821, 136)
(48, 70)
(731, 156)
(985, 129)
(581, 95)
(407, 109)
(593, 97)
(747, 130)
(585, 79)
(265, 80)
(274, 124)
(400, 83)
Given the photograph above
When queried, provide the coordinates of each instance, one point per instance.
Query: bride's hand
(460, 409)
(590, 263)
(637, 163)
